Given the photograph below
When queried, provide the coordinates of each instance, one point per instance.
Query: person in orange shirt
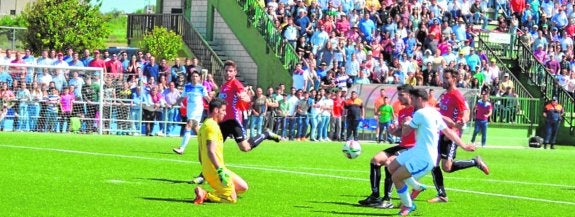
(553, 114)
(355, 113)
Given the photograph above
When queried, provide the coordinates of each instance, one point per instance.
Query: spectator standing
(355, 112)
(483, 109)
(152, 70)
(66, 101)
(385, 116)
(336, 120)
(259, 109)
(553, 114)
(326, 104)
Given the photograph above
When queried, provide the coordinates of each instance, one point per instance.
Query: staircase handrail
(257, 18)
(548, 85)
(520, 90)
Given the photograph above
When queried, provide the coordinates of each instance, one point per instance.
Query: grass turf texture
(89, 175)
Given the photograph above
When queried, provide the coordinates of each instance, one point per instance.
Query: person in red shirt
(236, 97)
(518, 7)
(114, 66)
(383, 158)
(98, 61)
(455, 112)
(336, 117)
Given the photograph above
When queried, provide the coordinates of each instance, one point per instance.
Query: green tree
(162, 43)
(61, 24)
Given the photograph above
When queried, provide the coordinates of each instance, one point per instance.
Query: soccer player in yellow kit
(226, 184)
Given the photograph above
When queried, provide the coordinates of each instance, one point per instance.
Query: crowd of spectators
(397, 42)
(136, 89)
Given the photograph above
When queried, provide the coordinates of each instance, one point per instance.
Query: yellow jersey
(210, 131)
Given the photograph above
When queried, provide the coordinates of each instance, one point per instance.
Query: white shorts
(197, 117)
(418, 166)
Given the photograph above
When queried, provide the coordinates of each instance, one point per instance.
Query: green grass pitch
(88, 175)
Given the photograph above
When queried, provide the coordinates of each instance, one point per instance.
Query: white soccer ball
(351, 149)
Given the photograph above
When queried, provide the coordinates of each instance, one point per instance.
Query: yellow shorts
(221, 194)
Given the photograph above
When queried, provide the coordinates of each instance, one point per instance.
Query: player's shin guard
(255, 141)
(387, 184)
(374, 179)
(404, 196)
(186, 139)
(438, 181)
(462, 164)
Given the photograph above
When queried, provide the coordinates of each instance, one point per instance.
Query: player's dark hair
(454, 73)
(418, 92)
(405, 87)
(216, 103)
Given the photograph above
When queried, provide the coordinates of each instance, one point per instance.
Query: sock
(438, 181)
(186, 139)
(255, 141)
(387, 184)
(462, 164)
(413, 183)
(404, 196)
(374, 179)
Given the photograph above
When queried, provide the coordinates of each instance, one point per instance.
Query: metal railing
(507, 51)
(539, 75)
(203, 51)
(257, 18)
(519, 89)
(12, 37)
(516, 111)
(139, 24)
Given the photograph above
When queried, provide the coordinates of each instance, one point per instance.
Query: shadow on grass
(339, 203)
(178, 200)
(357, 213)
(167, 180)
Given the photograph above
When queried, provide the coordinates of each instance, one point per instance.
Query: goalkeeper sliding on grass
(226, 184)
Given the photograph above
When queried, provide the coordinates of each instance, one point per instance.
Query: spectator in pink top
(209, 83)
(66, 101)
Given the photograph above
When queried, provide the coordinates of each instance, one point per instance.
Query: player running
(195, 93)
(455, 113)
(418, 161)
(384, 157)
(236, 97)
(226, 184)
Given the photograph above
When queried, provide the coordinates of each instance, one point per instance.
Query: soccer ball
(351, 149)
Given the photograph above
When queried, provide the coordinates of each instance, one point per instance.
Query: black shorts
(447, 148)
(234, 129)
(395, 150)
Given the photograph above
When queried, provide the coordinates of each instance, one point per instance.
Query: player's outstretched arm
(455, 138)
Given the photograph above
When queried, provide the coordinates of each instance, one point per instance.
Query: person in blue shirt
(472, 60)
(367, 27)
(152, 69)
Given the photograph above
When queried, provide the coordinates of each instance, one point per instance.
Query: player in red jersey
(386, 156)
(235, 95)
(455, 113)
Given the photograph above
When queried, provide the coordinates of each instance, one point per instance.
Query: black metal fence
(140, 24)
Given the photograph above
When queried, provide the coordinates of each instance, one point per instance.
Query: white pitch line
(512, 196)
(282, 171)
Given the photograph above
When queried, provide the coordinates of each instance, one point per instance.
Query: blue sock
(186, 139)
(404, 196)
